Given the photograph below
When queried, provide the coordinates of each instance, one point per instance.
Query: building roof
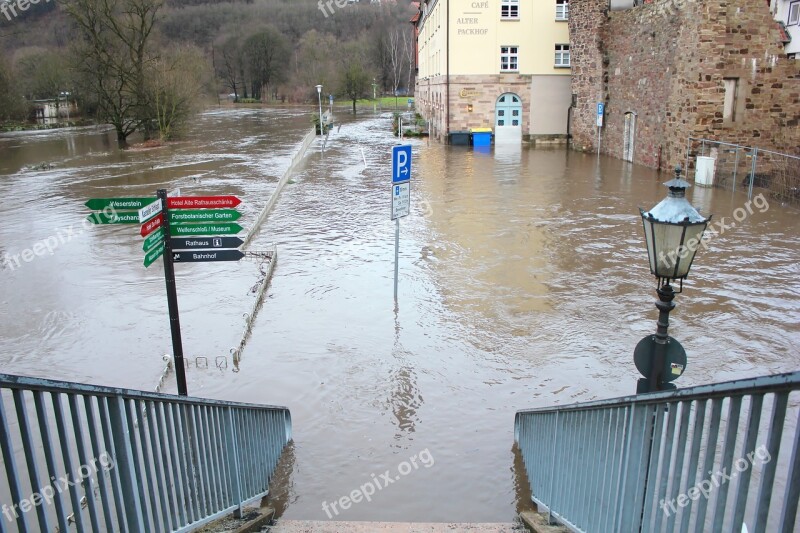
(785, 37)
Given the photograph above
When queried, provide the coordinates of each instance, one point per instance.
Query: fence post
(554, 455)
(232, 443)
(752, 174)
(124, 464)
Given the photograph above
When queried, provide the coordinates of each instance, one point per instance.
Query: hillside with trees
(147, 65)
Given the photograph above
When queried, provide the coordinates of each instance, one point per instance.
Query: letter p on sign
(401, 163)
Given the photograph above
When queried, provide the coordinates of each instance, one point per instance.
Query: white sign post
(601, 109)
(401, 199)
(149, 211)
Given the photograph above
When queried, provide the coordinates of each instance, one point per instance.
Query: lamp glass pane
(648, 237)
(694, 234)
(675, 250)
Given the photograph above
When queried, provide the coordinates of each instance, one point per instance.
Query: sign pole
(396, 255)
(401, 198)
(172, 299)
(598, 140)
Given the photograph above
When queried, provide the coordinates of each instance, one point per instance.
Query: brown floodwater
(523, 283)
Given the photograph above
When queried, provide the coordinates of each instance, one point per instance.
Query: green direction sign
(151, 256)
(154, 238)
(98, 204)
(204, 215)
(205, 229)
(118, 218)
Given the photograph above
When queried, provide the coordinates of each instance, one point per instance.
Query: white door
(508, 119)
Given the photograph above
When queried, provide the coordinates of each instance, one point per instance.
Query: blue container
(481, 137)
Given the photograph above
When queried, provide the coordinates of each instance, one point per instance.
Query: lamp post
(319, 99)
(673, 230)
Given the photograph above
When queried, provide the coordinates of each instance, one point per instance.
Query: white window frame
(562, 9)
(511, 55)
(794, 9)
(509, 9)
(562, 52)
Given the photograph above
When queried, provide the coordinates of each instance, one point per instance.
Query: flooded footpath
(523, 283)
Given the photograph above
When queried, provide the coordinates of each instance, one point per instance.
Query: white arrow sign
(148, 212)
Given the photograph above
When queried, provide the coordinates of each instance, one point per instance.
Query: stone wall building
(671, 69)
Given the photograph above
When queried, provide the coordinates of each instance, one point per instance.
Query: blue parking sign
(401, 163)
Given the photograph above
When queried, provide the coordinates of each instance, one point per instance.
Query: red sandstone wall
(666, 61)
(586, 18)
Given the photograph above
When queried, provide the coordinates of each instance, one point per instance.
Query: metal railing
(707, 458)
(88, 458)
(748, 168)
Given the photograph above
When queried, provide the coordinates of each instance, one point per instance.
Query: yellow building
(501, 64)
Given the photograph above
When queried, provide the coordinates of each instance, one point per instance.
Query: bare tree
(176, 84)
(231, 68)
(113, 55)
(408, 49)
(396, 58)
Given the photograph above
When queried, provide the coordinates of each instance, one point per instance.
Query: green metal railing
(87, 458)
(708, 458)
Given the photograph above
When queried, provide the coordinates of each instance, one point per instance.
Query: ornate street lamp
(319, 98)
(673, 232)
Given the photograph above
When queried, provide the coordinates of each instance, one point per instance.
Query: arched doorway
(508, 118)
(629, 136)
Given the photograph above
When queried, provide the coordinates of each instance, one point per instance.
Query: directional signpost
(401, 198)
(146, 213)
(204, 215)
(206, 256)
(151, 225)
(204, 243)
(113, 218)
(99, 204)
(205, 229)
(153, 254)
(202, 202)
(181, 229)
(154, 238)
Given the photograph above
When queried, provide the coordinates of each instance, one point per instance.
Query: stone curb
(538, 523)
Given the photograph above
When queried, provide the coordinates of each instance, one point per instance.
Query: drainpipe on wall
(447, 96)
(569, 119)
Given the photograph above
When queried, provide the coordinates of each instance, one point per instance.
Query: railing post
(232, 443)
(123, 463)
(6, 445)
(752, 174)
(553, 470)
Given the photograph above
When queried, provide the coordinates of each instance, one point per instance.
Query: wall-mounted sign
(469, 93)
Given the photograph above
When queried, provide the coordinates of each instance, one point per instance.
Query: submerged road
(523, 283)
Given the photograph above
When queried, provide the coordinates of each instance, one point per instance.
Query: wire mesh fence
(734, 166)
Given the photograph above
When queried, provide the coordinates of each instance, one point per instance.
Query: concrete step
(258, 520)
(308, 526)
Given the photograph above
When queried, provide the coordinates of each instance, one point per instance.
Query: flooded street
(523, 283)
